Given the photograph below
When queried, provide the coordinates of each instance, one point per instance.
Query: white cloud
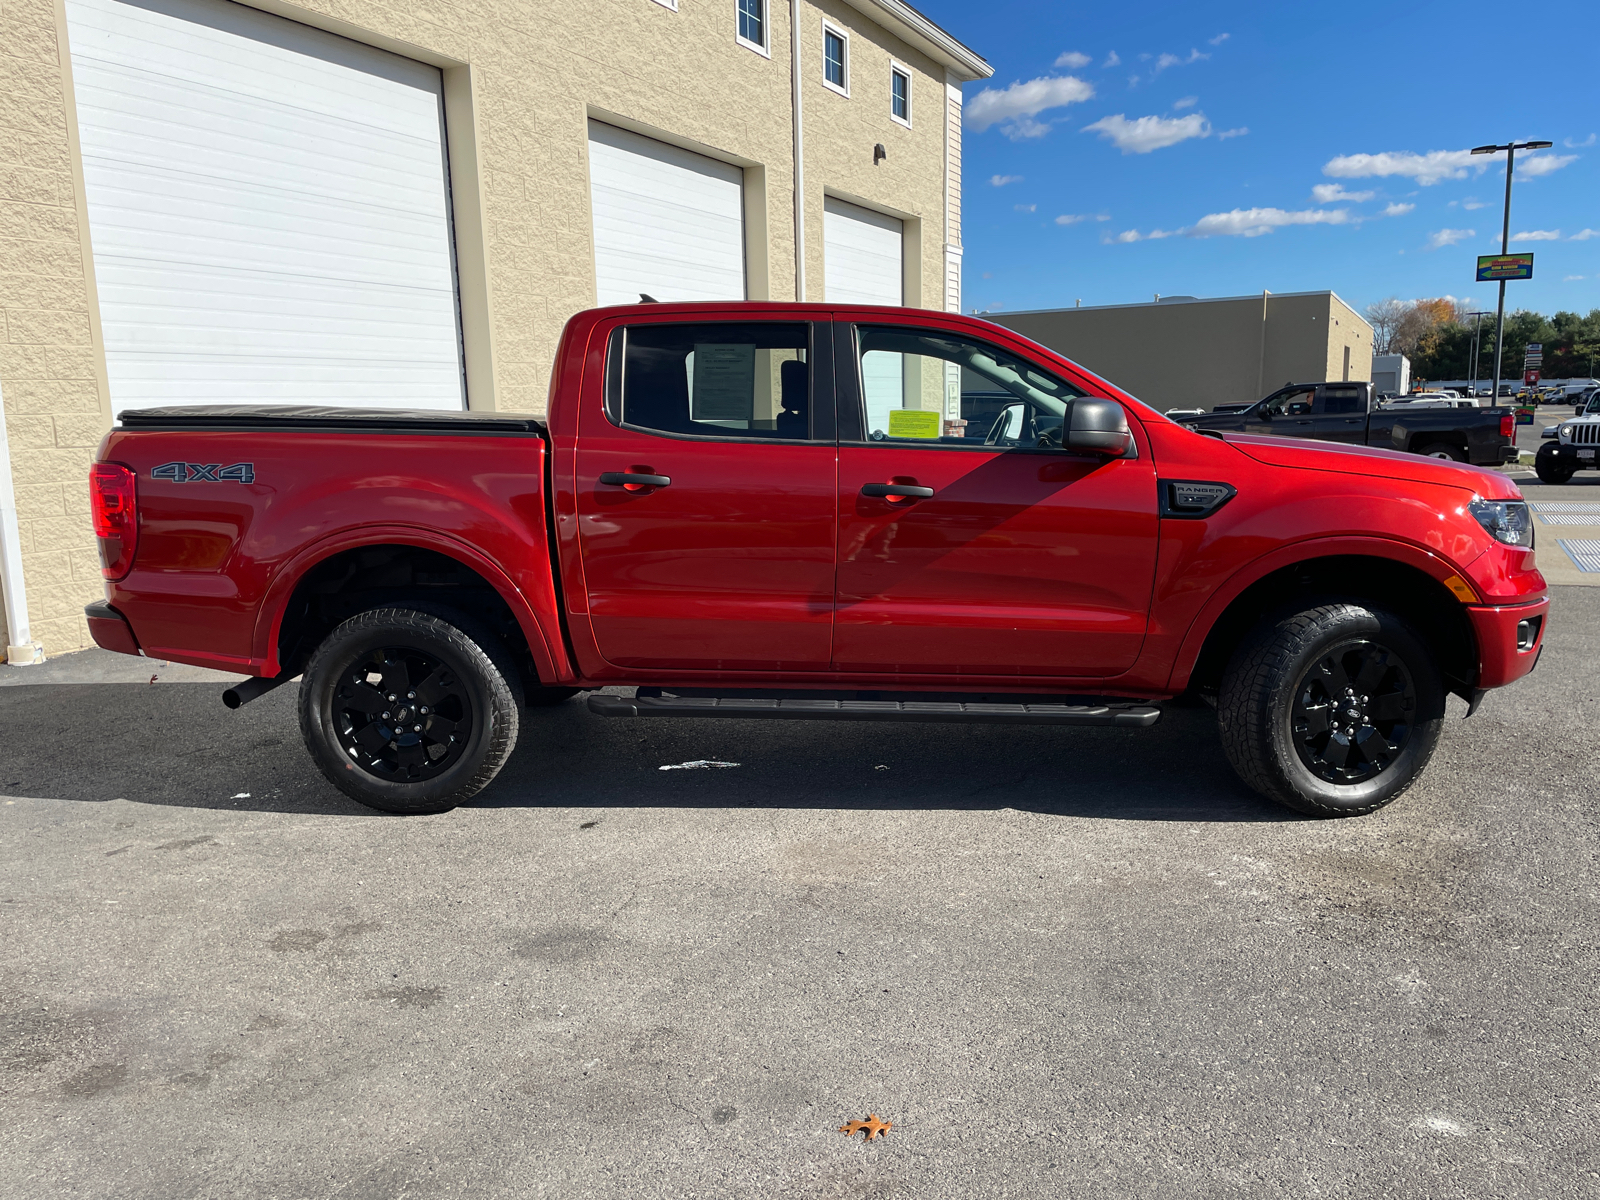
(1133, 235)
(1073, 59)
(1570, 278)
(1472, 205)
(1072, 218)
(1537, 164)
(1232, 133)
(1430, 168)
(1173, 60)
(1253, 222)
(1449, 237)
(1018, 104)
(1537, 235)
(1398, 210)
(1144, 134)
(1025, 207)
(1002, 180)
(1186, 102)
(1583, 235)
(1328, 193)
(1574, 144)
(1219, 39)
(1112, 60)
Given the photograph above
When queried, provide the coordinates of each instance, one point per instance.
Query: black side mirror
(1098, 427)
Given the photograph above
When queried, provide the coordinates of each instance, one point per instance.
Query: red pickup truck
(772, 511)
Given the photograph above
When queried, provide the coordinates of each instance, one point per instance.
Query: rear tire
(1333, 710)
(410, 712)
(1444, 450)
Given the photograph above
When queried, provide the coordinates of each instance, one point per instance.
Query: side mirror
(1098, 427)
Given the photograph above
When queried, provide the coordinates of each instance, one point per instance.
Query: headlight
(1507, 521)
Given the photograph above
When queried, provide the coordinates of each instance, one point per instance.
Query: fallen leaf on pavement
(872, 1127)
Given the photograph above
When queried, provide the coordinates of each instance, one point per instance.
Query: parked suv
(1576, 446)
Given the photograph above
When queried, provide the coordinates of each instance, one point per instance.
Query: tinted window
(1290, 404)
(945, 389)
(1336, 401)
(716, 380)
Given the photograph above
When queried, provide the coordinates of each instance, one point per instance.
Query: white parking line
(1584, 553)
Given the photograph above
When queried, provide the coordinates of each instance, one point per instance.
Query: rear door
(1339, 413)
(705, 494)
(982, 549)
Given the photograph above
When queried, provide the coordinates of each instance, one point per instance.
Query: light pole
(1477, 324)
(1511, 149)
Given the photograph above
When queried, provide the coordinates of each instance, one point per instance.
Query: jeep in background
(1349, 412)
(1572, 446)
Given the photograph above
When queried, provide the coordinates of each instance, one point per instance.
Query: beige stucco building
(357, 202)
(1181, 352)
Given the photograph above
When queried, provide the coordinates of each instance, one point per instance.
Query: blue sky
(1218, 149)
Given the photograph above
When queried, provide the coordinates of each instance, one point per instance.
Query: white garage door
(667, 223)
(861, 264)
(861, 255)
(269, 210)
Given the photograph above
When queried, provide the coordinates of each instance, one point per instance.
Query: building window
(900, 94)
(753, 24)
(836, 59)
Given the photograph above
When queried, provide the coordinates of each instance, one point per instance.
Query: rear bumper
(1509, 640)
(110, 629)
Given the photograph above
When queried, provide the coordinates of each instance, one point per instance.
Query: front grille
(1587, 434)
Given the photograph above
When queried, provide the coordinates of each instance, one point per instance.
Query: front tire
(409, 712)
(1549, 469)
(1333, 710)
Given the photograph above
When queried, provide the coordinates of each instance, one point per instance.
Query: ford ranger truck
(776, 511)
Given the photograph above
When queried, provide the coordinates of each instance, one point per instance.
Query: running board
(650, 703)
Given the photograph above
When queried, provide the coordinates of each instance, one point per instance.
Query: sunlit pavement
(1073, 963)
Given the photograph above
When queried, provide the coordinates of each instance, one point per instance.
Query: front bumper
(110, 629)
(1510, 639)
(1576, 457)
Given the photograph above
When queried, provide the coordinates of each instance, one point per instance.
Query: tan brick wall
(539, 71)
(50, 372)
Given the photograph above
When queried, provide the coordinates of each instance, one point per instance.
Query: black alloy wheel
(401, 714)
(1353, 711)
(410, 711)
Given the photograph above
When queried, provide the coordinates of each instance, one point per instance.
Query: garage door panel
(268, 209)
(862, 255)
(667, 222)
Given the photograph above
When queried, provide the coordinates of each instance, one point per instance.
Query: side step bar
(650, 703)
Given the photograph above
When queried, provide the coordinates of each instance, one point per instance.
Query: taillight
(116, 517)
(1508, 425)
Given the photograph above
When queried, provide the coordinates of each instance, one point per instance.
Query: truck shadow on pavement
(176, 745)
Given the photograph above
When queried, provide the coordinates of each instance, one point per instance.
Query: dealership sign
(1504, 266)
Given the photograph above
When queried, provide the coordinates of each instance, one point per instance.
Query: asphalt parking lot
(1083, 963)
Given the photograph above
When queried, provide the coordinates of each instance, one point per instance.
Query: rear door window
(1339, 401)
(714, 380)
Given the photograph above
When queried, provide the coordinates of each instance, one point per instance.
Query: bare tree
(1385, 317)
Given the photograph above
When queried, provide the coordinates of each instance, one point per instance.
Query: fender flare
(1287, 556)
(274, 604)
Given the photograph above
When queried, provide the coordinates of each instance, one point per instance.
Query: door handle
(1302, 422)
(897, 491)
(634, 479)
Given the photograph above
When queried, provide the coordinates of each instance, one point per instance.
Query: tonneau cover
(313, 416)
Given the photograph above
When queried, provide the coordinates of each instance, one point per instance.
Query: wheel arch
(342, 575)
(1406, 581)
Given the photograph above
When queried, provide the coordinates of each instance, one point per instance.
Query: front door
(705, 498)
(984, 548)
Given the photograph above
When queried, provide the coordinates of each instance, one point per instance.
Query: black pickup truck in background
(1349, 412)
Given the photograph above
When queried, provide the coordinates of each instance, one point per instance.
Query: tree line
(1436, 335)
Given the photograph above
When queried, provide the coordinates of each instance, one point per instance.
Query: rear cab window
(745, 380)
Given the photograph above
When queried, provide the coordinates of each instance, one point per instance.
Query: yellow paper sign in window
(913, 423)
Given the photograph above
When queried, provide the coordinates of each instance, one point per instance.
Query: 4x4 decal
(180, 472)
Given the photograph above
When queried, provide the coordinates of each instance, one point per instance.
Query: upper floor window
(836, 59)
(900, 95)
(753, 24)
